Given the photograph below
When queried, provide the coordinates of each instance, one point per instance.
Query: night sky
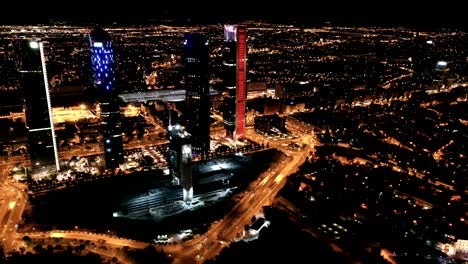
(380, 13)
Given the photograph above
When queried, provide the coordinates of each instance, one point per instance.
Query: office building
(229, 79)
(270, 123)
(104, 73)
(229, 57)
(35, 87)
(197, 117)
(180, 159)
(235, 67)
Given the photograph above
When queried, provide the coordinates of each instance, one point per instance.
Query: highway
(13, 199)
(105, 245)
(12, 203)
(260, 193)
(95, 237)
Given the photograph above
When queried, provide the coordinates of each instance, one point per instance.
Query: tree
(2, 254)
(50, 249)
(80, 248)
(38, 248)
(27, 240)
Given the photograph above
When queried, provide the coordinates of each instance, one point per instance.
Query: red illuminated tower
(241, 90)
(235, 63)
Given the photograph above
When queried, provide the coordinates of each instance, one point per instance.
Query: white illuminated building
(186, 168)
(180, 159)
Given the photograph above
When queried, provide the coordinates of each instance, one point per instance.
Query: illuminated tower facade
(35, 86)
(198, 93)
(229, 56)
(235, 66)
(180, 159)
(104, 73)
(241, 86)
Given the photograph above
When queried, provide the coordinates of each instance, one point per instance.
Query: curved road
(259, 194)
(206, 246)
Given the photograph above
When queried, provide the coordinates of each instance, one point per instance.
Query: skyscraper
(229, 56)
(229, 79)
(35, 86)
(180, 159)
(241, 89)
(235, 66)
(198, 92)
(104, 73)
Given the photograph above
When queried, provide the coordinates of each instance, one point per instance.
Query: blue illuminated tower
(35, 87)
(104, 72)
(198, 92)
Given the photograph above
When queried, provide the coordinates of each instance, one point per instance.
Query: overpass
(173, 95)
(166, 95)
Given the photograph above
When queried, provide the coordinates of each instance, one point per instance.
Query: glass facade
(180, 159)
(235, 64)
(241, 86)
(34, 85)
(229, 79)
(198, 103)
(104, 73)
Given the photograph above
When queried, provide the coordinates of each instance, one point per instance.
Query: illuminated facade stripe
(39, 129)
(241, 82)
(49, 106)
(21, 71)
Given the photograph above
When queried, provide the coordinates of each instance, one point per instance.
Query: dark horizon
(356, 14)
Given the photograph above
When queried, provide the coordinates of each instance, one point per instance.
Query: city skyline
(235, 143)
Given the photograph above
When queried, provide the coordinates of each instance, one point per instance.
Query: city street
(260, 193)
(12, 203)
(111, 240)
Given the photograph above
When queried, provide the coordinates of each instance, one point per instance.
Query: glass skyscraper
(104, 73)
(241, 82)
(198, 103)
(35, 87)
(180, 159)
(229, 78)
(235, 64)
